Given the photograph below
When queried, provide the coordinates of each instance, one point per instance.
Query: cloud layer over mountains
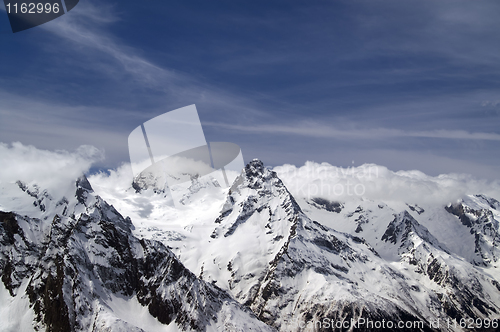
(52, 169)
(377, 182)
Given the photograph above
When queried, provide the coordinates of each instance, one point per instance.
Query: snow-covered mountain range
(73, 264)
(280, 249)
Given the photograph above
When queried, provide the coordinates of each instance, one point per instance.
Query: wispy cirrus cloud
(87, 29)
(316, 129)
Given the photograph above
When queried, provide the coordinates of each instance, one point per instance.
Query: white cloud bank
(54, 171)
(57, 170)
(374, 182)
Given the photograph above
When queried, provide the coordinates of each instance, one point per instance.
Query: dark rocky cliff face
(461, 294)
(483, 226)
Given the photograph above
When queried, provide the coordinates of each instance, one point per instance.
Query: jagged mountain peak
(480, 215)
(258, 191)
(255, 176)
(64, 199)
(256, 166)
(83, 189)
(401, 228)
(83, 182)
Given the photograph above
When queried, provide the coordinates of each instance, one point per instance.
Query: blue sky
(404, 84)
